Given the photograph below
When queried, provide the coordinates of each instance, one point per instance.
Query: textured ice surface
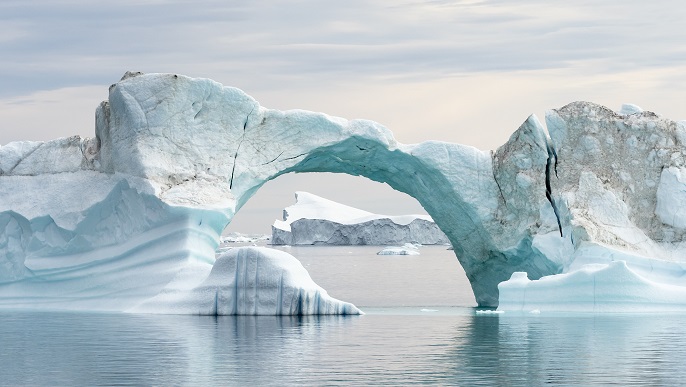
(108, 223)
(248, 281)
(314, 220)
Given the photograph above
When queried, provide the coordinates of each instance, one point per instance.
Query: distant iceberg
(236, 237)
(406, 249)
(314, 220)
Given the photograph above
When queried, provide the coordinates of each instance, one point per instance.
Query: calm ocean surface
(420, 328)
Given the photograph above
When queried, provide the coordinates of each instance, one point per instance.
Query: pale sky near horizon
(461, 71)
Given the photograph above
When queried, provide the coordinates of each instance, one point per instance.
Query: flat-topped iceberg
(109, 223)
(314, 220)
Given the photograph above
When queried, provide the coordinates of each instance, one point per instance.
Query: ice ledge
(613, 287)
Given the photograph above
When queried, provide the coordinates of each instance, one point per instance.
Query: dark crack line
(9, 172)
(494, 162)
(235, 161)
(272, 160)
(550, 164)
(551, 149)
(245, 124)
(294, 157)
(235, 156)
(499, 189)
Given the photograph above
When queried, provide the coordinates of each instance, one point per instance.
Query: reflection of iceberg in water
(396, 349)
(568, 350)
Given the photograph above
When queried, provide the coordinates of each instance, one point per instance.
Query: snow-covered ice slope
(109, 222)
(314, 220)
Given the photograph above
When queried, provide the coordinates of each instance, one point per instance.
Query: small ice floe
(236, 237)
(428, 310)
(406, 249)
(489, 312)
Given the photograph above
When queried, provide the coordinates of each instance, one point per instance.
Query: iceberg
(596, 288)
(249, 281)
(110, 222)
(314, 220)
(601, 279)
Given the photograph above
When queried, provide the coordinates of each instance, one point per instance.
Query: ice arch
(174, 158)
(190, 134)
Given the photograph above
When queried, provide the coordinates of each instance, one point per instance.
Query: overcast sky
(460, 71)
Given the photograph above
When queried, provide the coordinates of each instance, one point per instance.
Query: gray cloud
(50, 44)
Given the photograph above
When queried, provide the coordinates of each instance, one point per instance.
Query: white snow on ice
(310, 206)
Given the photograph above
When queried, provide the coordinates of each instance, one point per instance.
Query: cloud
(67, 43)
(46, 115)
(466, 71)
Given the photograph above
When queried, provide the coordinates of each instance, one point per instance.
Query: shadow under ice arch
(213, 147)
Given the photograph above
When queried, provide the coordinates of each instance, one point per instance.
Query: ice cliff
(110, 222)
(314, 220)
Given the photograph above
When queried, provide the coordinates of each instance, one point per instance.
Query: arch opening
(356, 273)
(260, 211)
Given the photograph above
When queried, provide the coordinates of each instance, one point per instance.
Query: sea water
(420, 328)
